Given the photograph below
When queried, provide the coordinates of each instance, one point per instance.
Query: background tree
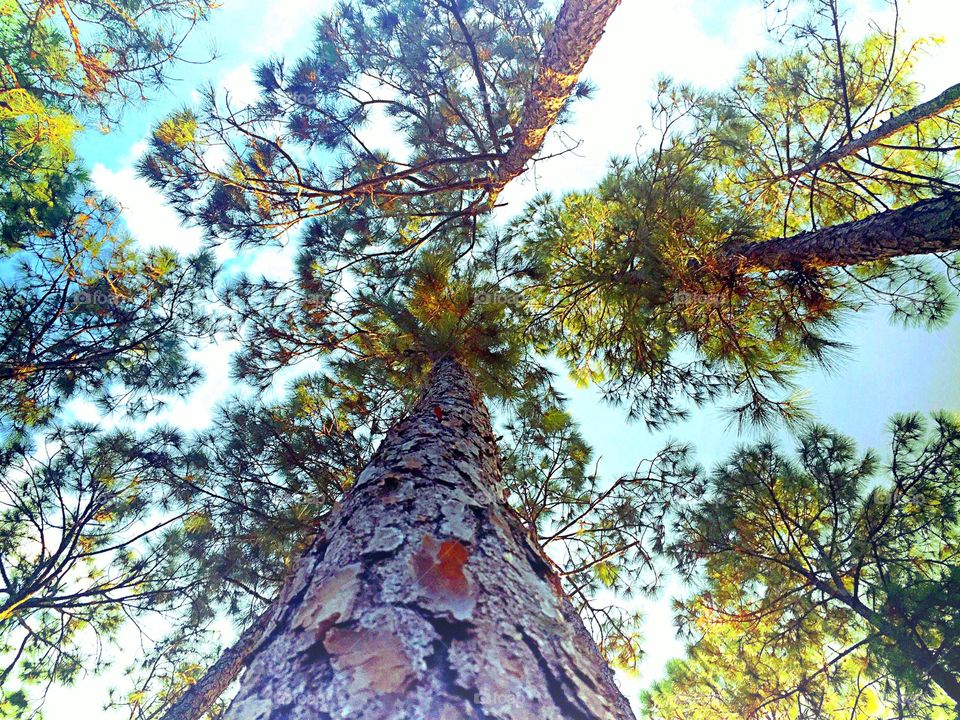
(830, 571)
(79, 54)
(720, 263)
(84, 312)
(87, 536)
(88, 539)
(470, 88)
(729, 675)
(60, 62)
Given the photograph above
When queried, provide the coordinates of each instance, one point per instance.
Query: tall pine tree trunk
(201, 696)
(426, 598)
(928, 226)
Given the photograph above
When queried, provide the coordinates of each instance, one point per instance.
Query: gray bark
(928, 226)
(576, 32)
(426, 598)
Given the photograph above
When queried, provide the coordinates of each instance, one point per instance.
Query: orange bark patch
(438, 569)
(557, 584)
(330, 600)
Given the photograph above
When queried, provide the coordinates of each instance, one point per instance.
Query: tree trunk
(928, 226)
(576, 32)
(426, 598)
(201, 696)
(947, 100)
(924, 661)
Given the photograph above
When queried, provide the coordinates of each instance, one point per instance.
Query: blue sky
(704, 42)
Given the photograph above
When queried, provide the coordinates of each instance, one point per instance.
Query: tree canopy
(829, 580)
(715, 267)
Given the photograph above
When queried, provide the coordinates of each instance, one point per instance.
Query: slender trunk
(426, 599)
(201, 696)
(947, 100)
(928, 226)
(922, 658)
(576, 32)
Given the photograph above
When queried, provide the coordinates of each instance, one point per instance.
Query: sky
(702, 42)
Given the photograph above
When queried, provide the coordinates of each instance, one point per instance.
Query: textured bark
(947, 100)
(577, 30)
(928, 226)
(201, 696)
(427, 599)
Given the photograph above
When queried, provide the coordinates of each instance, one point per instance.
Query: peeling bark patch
(438, 570)
(330, 600)
(384, 540)
(251, 709)
(455, 521)
(375, 660)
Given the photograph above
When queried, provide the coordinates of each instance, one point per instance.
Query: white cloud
(284, 21)
(240, 85)
(150, 220)
(196, 411)
(937, 67)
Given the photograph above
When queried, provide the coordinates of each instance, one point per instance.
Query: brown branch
(928, 226)
(200, 696)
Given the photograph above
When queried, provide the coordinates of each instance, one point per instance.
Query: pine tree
(402, 607)
(470, 87)
(82, 310)
(723, 261)
(830, 577)
(88, 536)
(596, 535)
(402, 283)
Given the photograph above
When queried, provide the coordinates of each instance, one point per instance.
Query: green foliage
(86, 313)
(824, 572)
(621, 279)
(603, 534)
(85, 537)
(631, 279)
(786, 109)
(88, 537)
(396, 269)
(449, 78)
(60, 60)
(78, 55)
